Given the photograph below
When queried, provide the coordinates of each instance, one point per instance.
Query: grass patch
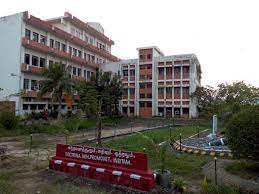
(181, 164)
(244, 169)
(5, 182)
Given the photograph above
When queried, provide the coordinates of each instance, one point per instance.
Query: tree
(58, 81)
(100, 96)
(226, 99)
(243, 133)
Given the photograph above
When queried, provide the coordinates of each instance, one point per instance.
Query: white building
(28, 44)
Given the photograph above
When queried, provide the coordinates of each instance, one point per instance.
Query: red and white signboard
(115, 166)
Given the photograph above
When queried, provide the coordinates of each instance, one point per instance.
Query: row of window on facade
(62, 47)
(143, 57)
(40, 107)
(130, 72)
(169, 70)
(89, 40)
(177, 90)
(41, 62)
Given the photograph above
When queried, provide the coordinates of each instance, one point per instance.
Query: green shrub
(242, 132)
(220, 189)
(8, 120)
(179, 184)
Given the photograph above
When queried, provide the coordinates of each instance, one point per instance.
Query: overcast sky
(224, 34)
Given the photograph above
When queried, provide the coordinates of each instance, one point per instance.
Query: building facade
(154, 84)
(158, 85)
(29, 44)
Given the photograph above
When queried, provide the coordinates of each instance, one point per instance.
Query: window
(43, 39)
(149, 104)
(50, 62)
(119, 73)
(74, 70)
(35, 37)
(141, 57)
(51, 43)
(131, 110)
(85, 72)
(186, 70)
(42, 62)
(26, 84)
(27, 59)
(177, 70)
(79, 53)
(161, 71)
(149, 85)
(35, 61)
(41, 106)
(40, 85)
(91, 41)
(93, 58)
(142, 104)
(64, 47)
(132, 91)
(132, 72)
(28, 34)
(70, 50)
(125, 72)
(85, 56)
(186, 90)
(177, 90)
(142, 95)
(149, 95)
(79, 72)
(160, 90)
(149, 56)
(141, 85)
(169, 90)
(74, 52)
(33, 106)
(25, 106)
(168, 71)
(88, 75)
(34, 85)
(149, 66)
(57, 45)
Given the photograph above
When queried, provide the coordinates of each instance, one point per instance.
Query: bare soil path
(226, 178)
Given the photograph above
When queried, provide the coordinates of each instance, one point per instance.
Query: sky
(224, 34)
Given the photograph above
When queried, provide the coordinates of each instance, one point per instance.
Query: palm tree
(58, 81)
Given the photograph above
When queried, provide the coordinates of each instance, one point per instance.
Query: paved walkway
(226, 178)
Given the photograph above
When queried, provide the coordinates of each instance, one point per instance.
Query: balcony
(34, 94)
(64, 35)
(54, 52)
(169, 76)
(177, 76)
(25, 68)
(78, 78)
(177, 96)
(168, 95)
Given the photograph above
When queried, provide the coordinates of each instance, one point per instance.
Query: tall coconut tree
(58, 81)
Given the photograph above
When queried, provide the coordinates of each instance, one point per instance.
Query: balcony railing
(57, 53)
(64, 35)
(78, 78)
(31, 69)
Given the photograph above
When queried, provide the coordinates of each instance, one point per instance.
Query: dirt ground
(22, 171)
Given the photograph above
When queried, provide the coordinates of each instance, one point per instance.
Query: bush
(8, 120)
(242, 133)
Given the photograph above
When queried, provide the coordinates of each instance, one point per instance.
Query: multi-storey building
(27, 44)
(154, 84)
(158, 85)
